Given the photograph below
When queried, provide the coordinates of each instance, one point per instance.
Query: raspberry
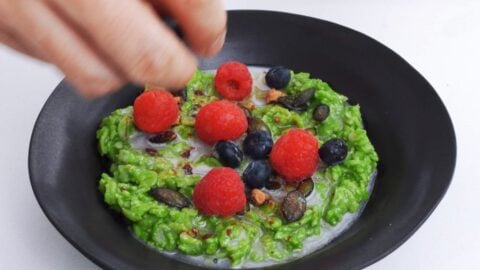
(233, 81)
(155, 111)
(220, 192)
(295, 155)
(220, 120)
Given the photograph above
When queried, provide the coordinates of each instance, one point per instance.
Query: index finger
(202, 21)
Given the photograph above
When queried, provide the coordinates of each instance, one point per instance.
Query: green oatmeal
(258, 236)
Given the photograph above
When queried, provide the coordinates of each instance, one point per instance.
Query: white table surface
(439, 38)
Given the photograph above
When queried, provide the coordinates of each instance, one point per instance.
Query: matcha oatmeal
(242, 168)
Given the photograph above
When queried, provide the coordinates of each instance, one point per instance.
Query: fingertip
(216, 45)
(182, 75)
(173, 70)
(203, 23)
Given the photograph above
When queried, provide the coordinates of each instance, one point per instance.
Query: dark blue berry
(258, 144)
(333, 152)
(228, 153)
(257, 173)
(278, 77)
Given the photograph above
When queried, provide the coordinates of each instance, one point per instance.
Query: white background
(441, 39)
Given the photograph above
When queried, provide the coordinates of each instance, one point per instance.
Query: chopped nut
(177, 121)
(249, 106)
(273, 95)
(178, 99)
(258, 197)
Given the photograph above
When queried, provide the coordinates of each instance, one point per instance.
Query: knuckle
(218, 26)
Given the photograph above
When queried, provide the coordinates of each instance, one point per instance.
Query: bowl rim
(239, 12)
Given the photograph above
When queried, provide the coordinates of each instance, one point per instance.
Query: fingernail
(217, 44)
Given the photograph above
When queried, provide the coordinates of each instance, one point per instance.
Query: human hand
(103, 44)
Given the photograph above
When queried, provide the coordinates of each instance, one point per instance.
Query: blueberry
(228, 153)
(333, 152)
(257, 173)
(278, 77)
(258, 144)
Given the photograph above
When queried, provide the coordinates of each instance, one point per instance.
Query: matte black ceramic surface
(405, 119)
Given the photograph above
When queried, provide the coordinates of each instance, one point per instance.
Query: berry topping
(228, 153)
(333, 152)
(257, 173)
(220, 121)
(258, 144)
(278, 77)
(155, 111)
(294, 155)
(220, 192)
(233, 81)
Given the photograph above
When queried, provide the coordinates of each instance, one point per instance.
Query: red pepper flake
(150, 151)
(276, 119)
(186, 153)
(198, 92)
(229, 232)
(195, 231)
(187, 169)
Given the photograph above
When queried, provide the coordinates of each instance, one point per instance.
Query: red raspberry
(220, 120)
(155, 111)
(233, 81)
(295, 155)
(220, 192)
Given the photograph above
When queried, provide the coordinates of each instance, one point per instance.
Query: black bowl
(405, 119)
